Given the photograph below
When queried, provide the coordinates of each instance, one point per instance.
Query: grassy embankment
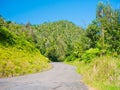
(14, 62)
(102, 73)
(18, 56)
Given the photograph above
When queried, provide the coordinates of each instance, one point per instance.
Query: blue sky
(80, 12)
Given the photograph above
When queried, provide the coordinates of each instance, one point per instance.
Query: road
(60, 77)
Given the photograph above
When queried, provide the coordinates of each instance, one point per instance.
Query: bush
(70, 58)
(6, 37)
(90, 54)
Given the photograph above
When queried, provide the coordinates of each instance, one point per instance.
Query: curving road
(60, 77)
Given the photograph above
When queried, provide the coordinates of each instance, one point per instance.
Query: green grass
(15, 62)
(102, 73)
(18, 56)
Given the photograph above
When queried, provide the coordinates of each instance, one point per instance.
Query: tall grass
(102, 73)
(14, 62)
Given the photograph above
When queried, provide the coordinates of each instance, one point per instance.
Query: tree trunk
(102, 40)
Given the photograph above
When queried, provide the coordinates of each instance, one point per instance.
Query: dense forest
(95, 50)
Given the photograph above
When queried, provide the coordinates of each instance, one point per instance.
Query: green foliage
(18, 55)
(90, 54)
(57, 40)
(103, 35)
(104, 31)
(51, 54)
(70, 58)
(21, 47)
(6, 37)
(102, 73)
(93, 33)
(14, 62)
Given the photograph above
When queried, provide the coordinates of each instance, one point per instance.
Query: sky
(80, 12)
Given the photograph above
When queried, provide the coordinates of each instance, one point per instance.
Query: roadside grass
(15, 62)
(102, 73)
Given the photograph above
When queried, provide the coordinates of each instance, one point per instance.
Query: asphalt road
(60, 77)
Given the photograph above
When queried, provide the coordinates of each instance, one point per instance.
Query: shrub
(70, 58)
(90, 54)
(6, 37)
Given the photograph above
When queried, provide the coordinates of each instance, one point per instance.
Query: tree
(93, 33)
(56, 40)
(100, 15)
(104, 14)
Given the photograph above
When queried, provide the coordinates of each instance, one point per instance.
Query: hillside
(58, 40)
(18, 56)
(94, 50)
